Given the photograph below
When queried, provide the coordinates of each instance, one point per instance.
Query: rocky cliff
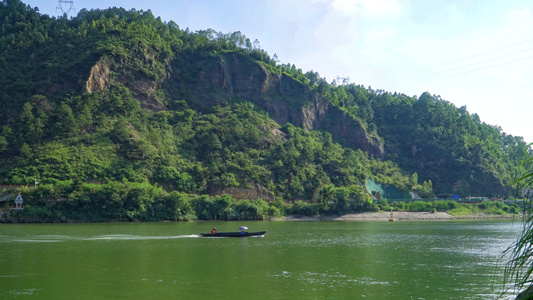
(212, 80)
(142, 88)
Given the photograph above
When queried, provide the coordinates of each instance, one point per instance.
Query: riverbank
(364, 216)
(398, 216)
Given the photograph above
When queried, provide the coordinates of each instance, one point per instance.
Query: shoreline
(398, 216)
(354, 217)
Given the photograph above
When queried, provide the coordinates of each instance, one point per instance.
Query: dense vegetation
(132, 144)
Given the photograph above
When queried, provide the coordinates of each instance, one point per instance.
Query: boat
(234, 234)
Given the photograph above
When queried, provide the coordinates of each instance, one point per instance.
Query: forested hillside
(121, 116)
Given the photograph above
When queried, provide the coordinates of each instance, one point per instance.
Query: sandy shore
(385, 216)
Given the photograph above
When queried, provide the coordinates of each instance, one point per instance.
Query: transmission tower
(65, 6)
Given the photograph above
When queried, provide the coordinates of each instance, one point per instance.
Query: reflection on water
(295, 260)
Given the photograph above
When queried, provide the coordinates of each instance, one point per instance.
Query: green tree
(66, 122)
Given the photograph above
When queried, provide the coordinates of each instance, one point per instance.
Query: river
(294, 260)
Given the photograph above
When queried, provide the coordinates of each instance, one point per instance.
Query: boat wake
(140, 237)
(110, 237)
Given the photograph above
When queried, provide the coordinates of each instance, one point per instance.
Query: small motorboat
(234, 234)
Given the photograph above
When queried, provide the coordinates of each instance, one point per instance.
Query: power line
(475, 70)
(415, 77)
(469, 65)
(466, 58)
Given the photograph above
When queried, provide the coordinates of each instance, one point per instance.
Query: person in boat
(214, 231)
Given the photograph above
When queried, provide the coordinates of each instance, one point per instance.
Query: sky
(473, 53)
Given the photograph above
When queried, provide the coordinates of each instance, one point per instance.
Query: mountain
(116, 104)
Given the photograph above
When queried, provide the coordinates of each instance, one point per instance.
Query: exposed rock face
(98, 78)
(215, 79)
(352, 131)
(286, 100)
(143, 90)
(146, 93)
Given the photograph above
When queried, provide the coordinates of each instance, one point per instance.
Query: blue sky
(473, 53)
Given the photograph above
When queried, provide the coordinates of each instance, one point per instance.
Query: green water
(295, 260)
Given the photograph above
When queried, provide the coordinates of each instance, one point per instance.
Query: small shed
(18, 202)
